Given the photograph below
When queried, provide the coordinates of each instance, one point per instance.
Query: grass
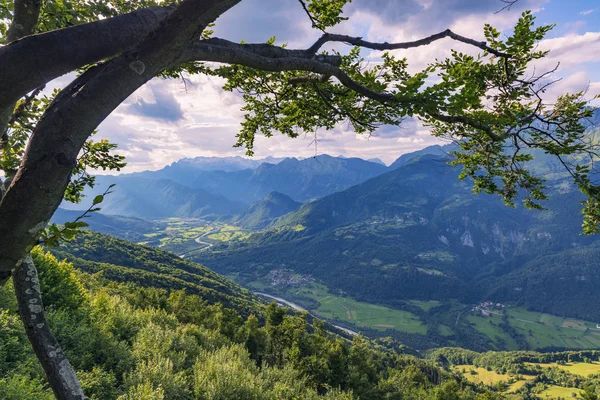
(559, 392)
(179, 234)
(540, 330)
(497, 335)
(368, 315)
(482, 375)
(445, 330)
(344, 309)
(491, 378)
(430, 271)
(227, 233)
(579, 368)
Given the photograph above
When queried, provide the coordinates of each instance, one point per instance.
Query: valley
(409, 253)
(303, 200)
(509, 327)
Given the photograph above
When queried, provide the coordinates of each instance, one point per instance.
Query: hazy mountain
(313, 177)
(376, 161)
(262, 213)
(300, 179)
(435, 150)
(212, 186)
(187, 170)
(419, 232)
(146, 198)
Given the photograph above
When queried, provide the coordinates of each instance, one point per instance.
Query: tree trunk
(60, 374)
(38, 186)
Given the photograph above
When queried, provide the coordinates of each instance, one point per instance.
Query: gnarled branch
(357, 41)
(37, 59)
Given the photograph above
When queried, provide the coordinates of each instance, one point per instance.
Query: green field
(424, 305)
(512, 383)
(227, 233)
(369, 315)
(179, 235)
(338, 308)
(540, 330)
(492, 378)
(489, 327)
(583, 369)
(559, 392)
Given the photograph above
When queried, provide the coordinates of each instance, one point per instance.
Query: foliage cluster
(129, 342)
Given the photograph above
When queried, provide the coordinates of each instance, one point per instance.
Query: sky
(166, 120)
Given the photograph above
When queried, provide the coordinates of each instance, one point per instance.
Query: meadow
(582, 369)
(492, 378)
(539, 330)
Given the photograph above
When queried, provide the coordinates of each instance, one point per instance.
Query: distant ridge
(262, 213)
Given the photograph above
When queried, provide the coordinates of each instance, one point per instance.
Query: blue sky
(165, 120)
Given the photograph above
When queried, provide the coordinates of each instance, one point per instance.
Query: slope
(123, 261)
(145, 198)
(262, 213)
(416, 232)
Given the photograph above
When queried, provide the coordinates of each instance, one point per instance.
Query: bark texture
(66, 49)
(58, 370)
(38, 187)
(25, 20)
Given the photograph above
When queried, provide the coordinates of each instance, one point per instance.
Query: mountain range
(220, 188)
(380, 234)
(418, 232)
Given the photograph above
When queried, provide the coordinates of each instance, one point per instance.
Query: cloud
(570, 50)
(163, 122)
(586, 12)
(258, 20)
(577, 82)
(163, 106)
(429, 16)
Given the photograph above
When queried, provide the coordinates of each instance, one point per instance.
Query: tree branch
(247, 57)
(59, 372)
(357, 41)
(313, 21)
(461, 119)
(270, 51)
(37, 59)
(52, 151)
(229, 55)
(25, 19)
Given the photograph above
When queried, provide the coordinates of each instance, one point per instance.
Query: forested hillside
(122, 261)
(417, 232)
(263, 212)
(129, 342)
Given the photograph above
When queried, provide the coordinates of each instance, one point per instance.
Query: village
(287, 277)
(485, 308)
